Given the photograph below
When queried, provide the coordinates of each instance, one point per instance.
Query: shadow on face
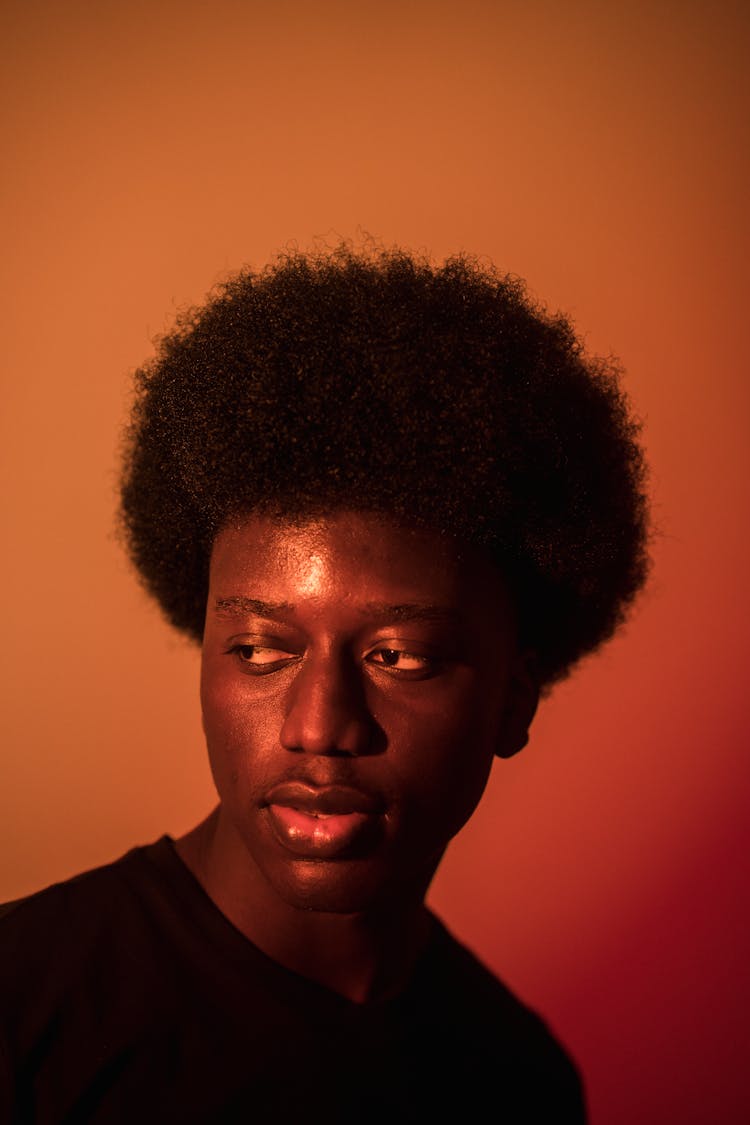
(358, 678)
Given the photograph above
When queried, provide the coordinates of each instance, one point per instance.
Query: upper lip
(323, 800)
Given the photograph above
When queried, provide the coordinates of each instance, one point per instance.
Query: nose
(327, 710)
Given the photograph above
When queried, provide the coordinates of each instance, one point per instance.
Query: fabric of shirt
(126, 996)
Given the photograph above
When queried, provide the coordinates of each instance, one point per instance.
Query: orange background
(597, 150)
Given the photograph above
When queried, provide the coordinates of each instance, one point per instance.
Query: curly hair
(442, 396)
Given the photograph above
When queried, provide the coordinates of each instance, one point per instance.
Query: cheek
(467, 757)
(239, 732)
(446, 758)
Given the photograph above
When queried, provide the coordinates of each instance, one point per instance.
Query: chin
(342, 887)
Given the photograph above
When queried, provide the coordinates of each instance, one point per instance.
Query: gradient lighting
(600, 153)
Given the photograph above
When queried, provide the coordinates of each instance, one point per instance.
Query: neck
(364, 956)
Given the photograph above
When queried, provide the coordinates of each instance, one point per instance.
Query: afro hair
(441, 396)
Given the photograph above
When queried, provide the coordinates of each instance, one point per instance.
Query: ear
(522, 700)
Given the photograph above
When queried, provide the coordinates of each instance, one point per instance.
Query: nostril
(343, 739)
(327, 708)
(335, 731)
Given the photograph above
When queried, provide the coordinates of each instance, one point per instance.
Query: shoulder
(57, 915)
(76, 910)
(465, 981)
(497, 1033)
(52, 939)
(80, 963)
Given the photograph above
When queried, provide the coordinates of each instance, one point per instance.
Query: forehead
(354, 556)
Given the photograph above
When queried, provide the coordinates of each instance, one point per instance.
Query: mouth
(331, 822)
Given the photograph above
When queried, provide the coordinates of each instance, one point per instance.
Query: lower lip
(322, 837)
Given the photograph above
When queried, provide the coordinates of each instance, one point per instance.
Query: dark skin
(358, 679)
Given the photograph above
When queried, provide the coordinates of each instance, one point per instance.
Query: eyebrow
(239, 606)
(244, 607)
(413, 612)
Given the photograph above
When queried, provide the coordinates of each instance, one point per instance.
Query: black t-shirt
(126, 996)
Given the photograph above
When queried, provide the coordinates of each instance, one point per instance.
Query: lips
(335, 821)
(324, 800)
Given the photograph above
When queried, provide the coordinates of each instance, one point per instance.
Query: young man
(394, 503)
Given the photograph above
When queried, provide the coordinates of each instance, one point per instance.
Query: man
(394, 503)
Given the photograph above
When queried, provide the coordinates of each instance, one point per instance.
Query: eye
(260, 659)
(400, 661)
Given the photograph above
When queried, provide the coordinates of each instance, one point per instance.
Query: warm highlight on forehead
(369, 566)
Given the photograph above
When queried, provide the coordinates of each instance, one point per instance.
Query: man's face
(357, 680)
